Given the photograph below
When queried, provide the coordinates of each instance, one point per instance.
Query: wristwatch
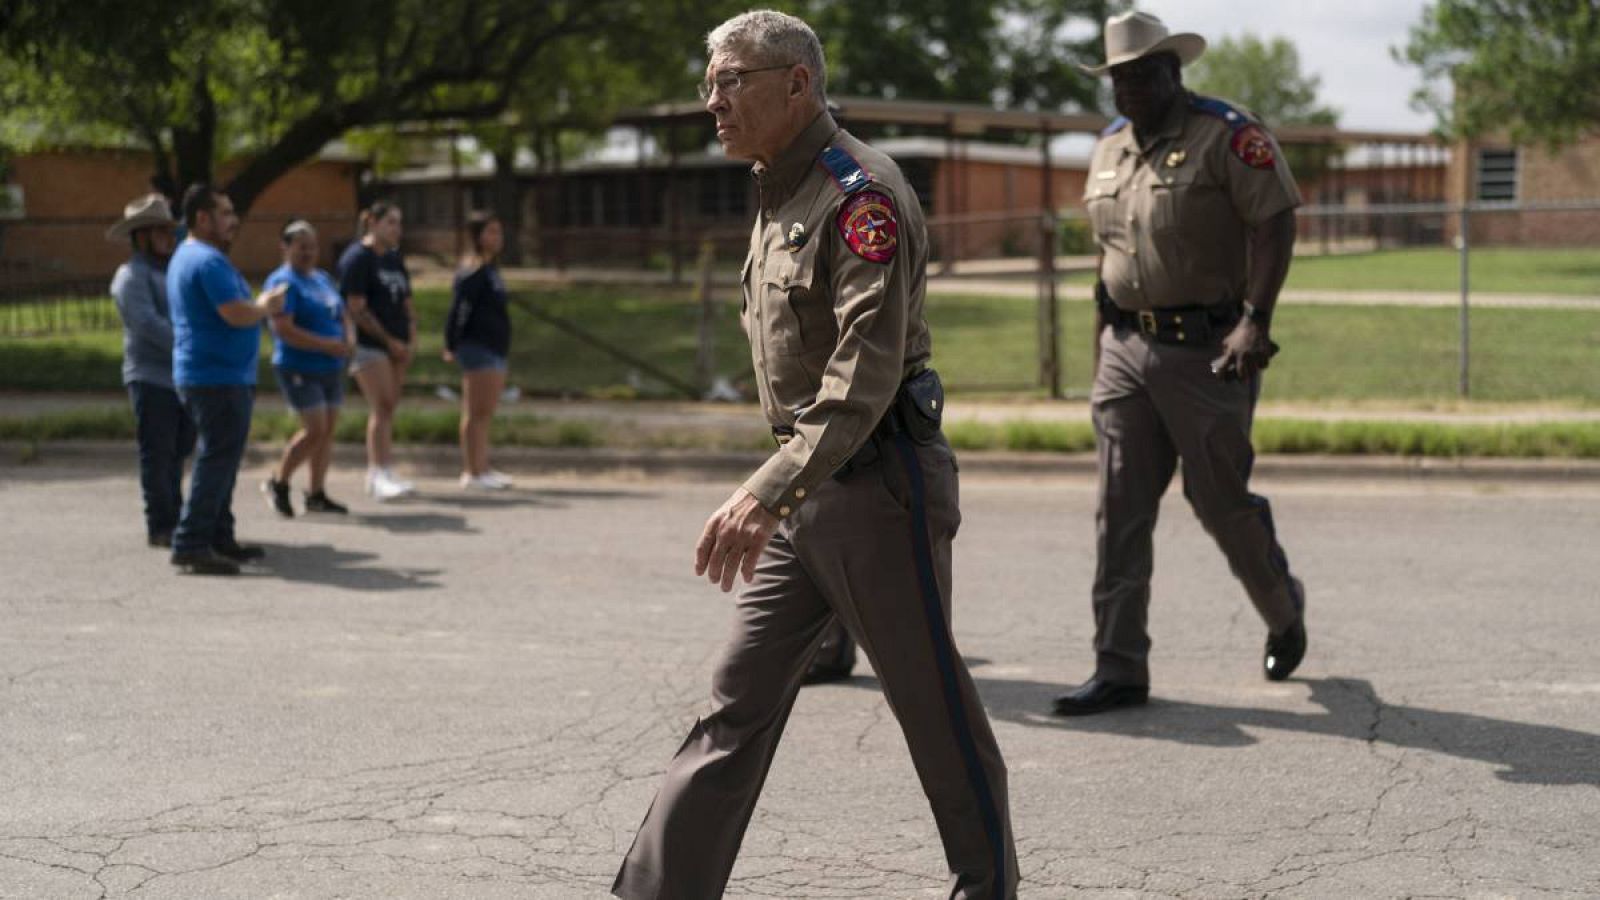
(1262, 317)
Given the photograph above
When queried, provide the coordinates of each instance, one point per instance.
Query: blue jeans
(166, 437)
(221, 415)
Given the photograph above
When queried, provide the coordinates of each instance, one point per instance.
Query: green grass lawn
(981, 344)
(1506, 270)
(1496, 270)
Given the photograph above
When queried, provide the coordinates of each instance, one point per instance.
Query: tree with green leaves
(1264, 76)
(274, 81)
(1014, 53)
(1527, 68)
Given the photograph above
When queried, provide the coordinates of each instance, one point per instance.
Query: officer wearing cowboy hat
(1192, 206)
(165, 434)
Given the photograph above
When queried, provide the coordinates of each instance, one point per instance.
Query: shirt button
(1136, 285)
(783, 511)
(799, 493)
(1134, 252)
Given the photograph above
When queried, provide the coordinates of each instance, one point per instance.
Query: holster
(917, 412)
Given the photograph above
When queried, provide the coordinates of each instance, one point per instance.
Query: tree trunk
(194, 146)
(505, 194)
(301, 142)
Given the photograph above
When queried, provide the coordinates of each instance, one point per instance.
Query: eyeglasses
(729, 81)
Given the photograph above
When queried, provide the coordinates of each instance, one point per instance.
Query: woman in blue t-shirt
(311, 339)
(477, 335)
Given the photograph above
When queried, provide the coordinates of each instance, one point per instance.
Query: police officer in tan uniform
(1192, 206)
(853, 515)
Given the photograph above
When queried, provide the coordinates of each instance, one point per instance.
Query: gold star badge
(1176, 158)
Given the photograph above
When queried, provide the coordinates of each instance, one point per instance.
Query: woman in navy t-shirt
(312, 337)
(377, 288)
(477, 335)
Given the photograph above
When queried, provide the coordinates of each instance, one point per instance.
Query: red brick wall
(1571, 174)
(72, 197)
(966, 187)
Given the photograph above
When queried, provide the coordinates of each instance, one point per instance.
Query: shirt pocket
(786, 294)
(1177, 216)
(1102, 203)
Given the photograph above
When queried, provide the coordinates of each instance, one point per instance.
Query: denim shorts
(306, 391)
(365, 356)
(474, 356)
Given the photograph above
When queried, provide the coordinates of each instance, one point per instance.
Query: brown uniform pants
(872, 549)
(1153, 404)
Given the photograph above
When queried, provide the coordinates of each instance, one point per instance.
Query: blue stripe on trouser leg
(944, 653)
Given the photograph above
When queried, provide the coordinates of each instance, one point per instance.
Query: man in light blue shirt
(216, 329)
(165, 434)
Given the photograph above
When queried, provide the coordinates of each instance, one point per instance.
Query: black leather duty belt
(1198, 326)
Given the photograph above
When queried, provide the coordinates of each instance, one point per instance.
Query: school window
(1497, 176)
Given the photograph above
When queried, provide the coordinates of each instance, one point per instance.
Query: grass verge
(1562, 440)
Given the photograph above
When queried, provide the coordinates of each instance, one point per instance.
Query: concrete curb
(443, 461)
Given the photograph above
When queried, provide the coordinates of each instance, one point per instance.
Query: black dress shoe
(1098, 695)
(837, 668)
(820, 674)
(1284, 651)
(160, 539)
(239, 552)
(204, 562)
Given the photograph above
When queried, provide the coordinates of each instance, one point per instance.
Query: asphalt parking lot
(472, 697)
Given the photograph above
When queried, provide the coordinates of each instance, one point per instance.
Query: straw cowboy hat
(149, 211)
(1135, 35)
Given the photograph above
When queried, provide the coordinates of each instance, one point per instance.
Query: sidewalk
(692, 432)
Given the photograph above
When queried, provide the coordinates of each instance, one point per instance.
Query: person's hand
(1245, 351)
(272, 300)
(447, 356)
(733, 539)
(400, 352)
(340, 348)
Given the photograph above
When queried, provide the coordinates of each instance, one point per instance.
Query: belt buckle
(1147, 321)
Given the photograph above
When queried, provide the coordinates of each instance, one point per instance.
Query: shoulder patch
(1117, 124)
(868, 225)
(1249, 142)
(1253, 147)
(847, 173)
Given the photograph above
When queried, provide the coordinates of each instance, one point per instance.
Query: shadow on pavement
(326, 564)
(1526, 753)
(400, 522)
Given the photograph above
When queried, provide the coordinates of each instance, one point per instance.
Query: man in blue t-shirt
(216, 329)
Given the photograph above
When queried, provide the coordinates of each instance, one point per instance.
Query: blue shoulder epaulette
(1211, 106)
(848, 174)
(1117, 124)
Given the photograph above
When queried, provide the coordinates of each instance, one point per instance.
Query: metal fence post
(1464, 248)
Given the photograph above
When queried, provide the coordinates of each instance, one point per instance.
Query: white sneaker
(484, 482)
(499, 478)
(400, 484)
(382, 487)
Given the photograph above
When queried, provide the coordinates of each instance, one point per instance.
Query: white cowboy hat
(149, 211)
(1135, 35)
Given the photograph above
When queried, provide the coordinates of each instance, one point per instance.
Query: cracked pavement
(473, 697)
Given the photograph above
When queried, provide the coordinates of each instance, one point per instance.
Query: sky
(1345, 42)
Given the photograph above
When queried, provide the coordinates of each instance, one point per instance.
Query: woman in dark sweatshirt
(477, 335)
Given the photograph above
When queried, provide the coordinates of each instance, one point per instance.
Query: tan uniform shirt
(833, 295)
(1171, 216)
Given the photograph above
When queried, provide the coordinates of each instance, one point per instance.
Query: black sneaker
(238, 552)
(278, 497)
(319, 502)
(204, 562)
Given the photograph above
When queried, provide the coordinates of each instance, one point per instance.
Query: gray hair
(776, 38)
